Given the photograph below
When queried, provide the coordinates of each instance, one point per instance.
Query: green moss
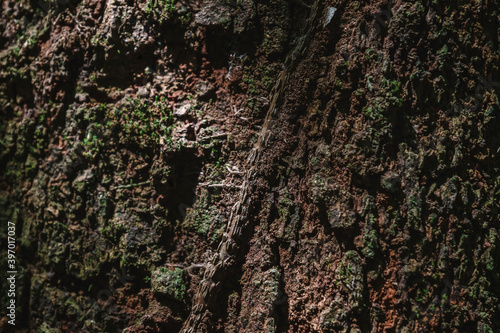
(169, 282)
(250, 83)
(45, 328)
(166, 10)
(204, 217)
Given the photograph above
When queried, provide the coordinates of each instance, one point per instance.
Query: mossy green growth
(169, 282)
(145, 123)
(271, 284)
(204, 218)
(45, 328)
(165, 10)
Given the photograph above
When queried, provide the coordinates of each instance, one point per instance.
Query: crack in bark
(216, 270)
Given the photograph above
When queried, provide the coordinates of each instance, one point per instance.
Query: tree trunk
(250, 166)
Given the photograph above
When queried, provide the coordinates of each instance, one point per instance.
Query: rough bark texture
(251, 166)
